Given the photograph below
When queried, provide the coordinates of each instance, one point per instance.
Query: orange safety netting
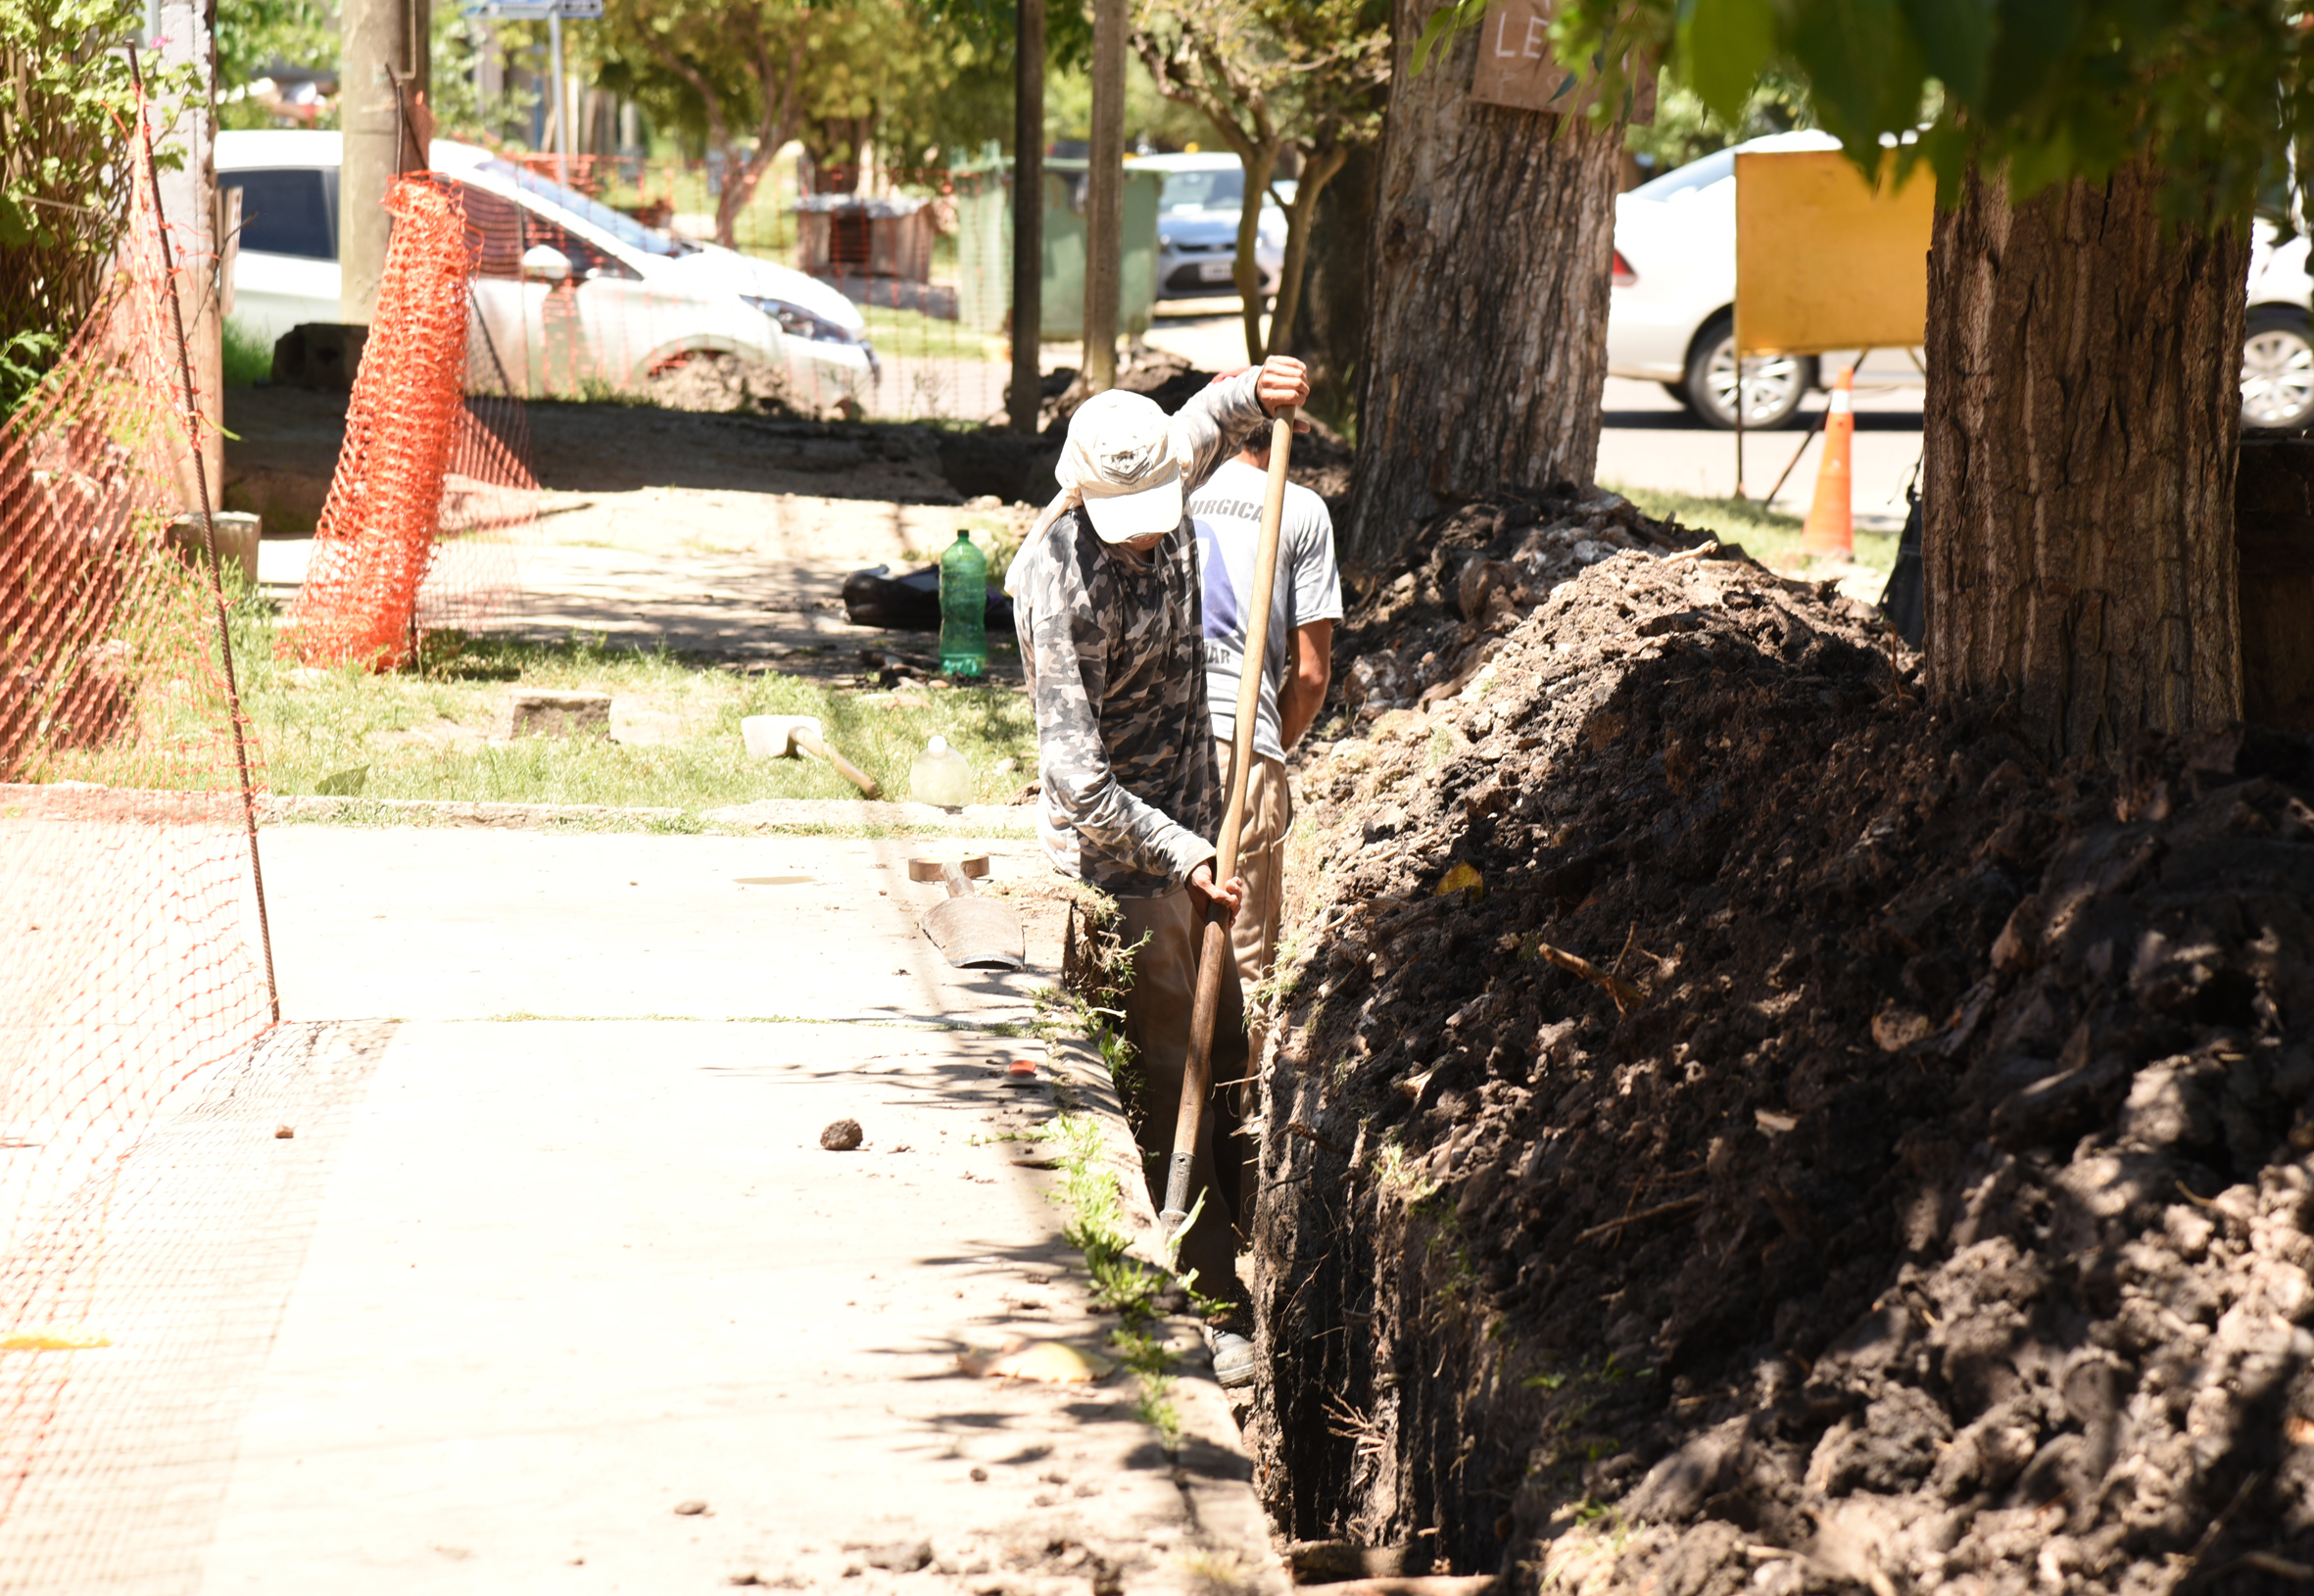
(433, 492)
(131, 944)
(376, 537)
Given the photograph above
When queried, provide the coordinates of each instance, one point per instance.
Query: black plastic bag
(1904, 601)
(909, 603)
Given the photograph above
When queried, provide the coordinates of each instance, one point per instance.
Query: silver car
(1198, 217)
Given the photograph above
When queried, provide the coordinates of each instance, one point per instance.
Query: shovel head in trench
(976, 934)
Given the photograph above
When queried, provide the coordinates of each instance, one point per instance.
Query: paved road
(517, 1290)
(1648, 440)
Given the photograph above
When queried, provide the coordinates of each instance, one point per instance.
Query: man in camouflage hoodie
(1108, 601)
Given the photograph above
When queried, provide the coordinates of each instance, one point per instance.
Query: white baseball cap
(1120, 457)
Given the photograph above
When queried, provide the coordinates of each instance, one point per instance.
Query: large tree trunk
(1329, 333)
(2082, 420)
(1486, 351)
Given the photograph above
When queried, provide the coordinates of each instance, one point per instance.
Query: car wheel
(1774, 385)
(2278, 369)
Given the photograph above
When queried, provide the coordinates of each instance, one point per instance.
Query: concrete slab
(449, 923)
(571, 1277)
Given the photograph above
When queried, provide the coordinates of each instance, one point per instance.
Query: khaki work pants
(1157, 1024)
(1261, 864)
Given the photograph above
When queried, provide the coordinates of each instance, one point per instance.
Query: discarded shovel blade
(1054, 1361)
(977, 934)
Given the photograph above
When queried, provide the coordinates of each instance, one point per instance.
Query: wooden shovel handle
(1204, 1011)
(810, 741)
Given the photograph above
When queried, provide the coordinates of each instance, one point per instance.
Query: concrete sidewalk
(581, 1305)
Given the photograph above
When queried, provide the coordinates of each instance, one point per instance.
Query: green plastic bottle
(964, 608)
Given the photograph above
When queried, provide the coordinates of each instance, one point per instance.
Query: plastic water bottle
(941, 775)
(964, 608)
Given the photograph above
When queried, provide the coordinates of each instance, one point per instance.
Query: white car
(1672, 316)
(570, 293)
(1197, 215)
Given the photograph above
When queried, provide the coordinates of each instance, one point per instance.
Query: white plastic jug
(941, 775)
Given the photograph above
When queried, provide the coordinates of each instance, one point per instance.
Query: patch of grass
(249, 356)
(1121, 1284)
(912, 335)
(1767, 536)
(433, 731)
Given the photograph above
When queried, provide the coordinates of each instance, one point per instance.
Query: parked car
(570, 292)
(1672, 314)
(1197, 215)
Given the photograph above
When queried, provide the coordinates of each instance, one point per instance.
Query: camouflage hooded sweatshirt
(1114, 648)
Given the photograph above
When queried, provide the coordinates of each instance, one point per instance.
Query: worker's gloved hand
(1204, 895)
(1283, 381)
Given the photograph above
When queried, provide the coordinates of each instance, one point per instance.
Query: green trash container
(983, 215)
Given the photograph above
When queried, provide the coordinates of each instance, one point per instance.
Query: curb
(1212, 1470)
(766, 816)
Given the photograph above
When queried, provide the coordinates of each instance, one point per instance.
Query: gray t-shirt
(1228, 512)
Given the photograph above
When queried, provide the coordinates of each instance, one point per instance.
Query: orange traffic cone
(1831, 526)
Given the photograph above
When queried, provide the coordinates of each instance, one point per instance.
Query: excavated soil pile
(1837, 1151)
(1468, 578)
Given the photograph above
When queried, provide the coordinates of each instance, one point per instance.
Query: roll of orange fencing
(376, 539)
(1830, 528)
(131, 975)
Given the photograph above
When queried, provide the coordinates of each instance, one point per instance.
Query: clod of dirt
(690, 1509)
(841, 1136)
(721, 383)
(1931, 1208)
(900, 1557)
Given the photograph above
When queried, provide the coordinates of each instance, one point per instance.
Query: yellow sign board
(1825, 261)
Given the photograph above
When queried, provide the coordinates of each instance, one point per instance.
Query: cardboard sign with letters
(1515, 66)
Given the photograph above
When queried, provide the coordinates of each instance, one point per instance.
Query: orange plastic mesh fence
(433, 493)
(130, 962)
(374, 543)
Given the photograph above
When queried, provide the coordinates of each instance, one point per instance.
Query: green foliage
(2215, 93)
(255, 37)
(249, 358)
(1686, 129)
(63, 123)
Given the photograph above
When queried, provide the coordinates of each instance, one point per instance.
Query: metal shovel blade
(976, 932)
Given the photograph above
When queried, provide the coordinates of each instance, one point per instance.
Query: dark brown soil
(1837, 1151)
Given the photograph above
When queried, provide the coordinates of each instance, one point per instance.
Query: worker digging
(1110, 607)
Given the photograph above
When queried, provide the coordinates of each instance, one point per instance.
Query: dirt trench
(1814, 1145)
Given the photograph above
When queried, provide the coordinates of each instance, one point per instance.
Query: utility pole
(1104, 198)
(387, 51)
(182, 35)
(1028, 216)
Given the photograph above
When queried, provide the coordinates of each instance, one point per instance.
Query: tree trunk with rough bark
(1024, 397)
(1329, 333)
(2081, 421)
(1104, 198)
(1486, 347)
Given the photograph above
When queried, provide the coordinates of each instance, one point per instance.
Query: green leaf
(17, 229)
(1723, 47)
(2034, 37)
(1955, 43)
(1444, 24)
(1865, 67)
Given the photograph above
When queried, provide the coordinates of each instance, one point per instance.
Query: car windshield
(621, 226)
(1712, 168)
(1220, 188)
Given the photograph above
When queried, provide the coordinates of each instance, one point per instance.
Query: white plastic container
(941, 775)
